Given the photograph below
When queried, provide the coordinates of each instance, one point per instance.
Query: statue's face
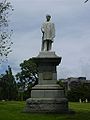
(48, 18)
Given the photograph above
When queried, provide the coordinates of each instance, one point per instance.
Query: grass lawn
(13, 111)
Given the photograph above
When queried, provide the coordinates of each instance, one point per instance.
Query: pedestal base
(47, 105)
(47, 98)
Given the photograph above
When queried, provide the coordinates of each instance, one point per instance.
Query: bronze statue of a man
(48, 30)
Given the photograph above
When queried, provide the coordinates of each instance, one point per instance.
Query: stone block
(48, 105)
(47, 91)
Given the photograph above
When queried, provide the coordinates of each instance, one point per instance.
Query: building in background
(71, 82)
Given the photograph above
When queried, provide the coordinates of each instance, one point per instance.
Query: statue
(48, 31)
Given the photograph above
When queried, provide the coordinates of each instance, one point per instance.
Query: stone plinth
(47, 62)
(47, 105)
(47, 91)
(47, 96)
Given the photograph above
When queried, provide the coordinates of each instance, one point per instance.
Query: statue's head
(48, 17)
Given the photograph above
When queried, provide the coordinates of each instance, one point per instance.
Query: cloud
(72, 21)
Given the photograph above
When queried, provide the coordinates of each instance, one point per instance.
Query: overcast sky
(72, 41)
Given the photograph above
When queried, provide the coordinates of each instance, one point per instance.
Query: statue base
(47, 96)
(47, 71)
(47, 99)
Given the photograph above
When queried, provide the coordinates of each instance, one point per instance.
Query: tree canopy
(5, 33)
(28, 74)
(86, 1)
(8, 86)
(27, 78)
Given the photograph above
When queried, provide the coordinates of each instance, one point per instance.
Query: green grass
(13, 111)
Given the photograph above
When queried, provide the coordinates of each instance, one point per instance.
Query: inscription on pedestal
(47, 76)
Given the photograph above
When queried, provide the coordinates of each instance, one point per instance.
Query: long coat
(48, 30)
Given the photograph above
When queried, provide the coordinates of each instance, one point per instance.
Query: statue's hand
(43, 32)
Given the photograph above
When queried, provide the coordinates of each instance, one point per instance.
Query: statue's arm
(53, 30)
(42, 28)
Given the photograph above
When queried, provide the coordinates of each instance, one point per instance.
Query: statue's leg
(49, 45)
(42, 49)
(45, 45)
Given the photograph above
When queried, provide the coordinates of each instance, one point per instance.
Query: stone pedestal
(47, 62)
(47, 96)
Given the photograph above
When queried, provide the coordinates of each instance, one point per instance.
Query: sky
(72, 41)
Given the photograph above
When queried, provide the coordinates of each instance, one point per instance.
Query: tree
(8, 86)
(5, 41)
(86, 1)
(28, 76)
(80, 91)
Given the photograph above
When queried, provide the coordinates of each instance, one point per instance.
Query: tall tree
(8, 86)
(28, 73)
(28, 76)
(5, 34)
